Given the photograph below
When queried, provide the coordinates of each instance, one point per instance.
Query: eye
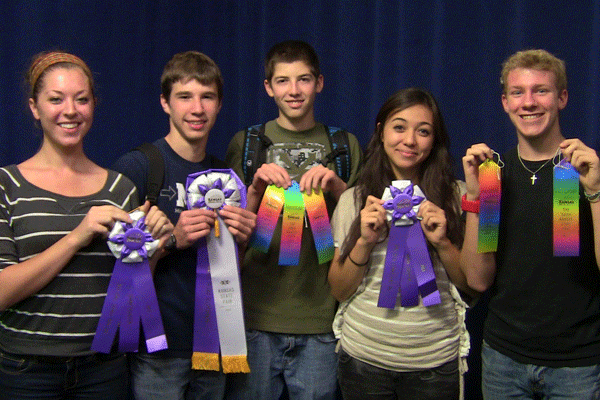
(55, 100)
(83, 100)
(424, 132)
(515, 92)
(399, 128)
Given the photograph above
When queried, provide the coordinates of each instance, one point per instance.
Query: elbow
(339, 295)
(479, 285)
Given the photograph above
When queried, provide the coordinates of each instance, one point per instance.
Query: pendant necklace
(533, 176)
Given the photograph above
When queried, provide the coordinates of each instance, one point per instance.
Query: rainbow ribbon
(266, 218)
(489, 206)
(294, 203)
(291, 227)
(565, 210)
(319, 224)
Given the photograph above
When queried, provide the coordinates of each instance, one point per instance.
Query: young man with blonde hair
(542, 333)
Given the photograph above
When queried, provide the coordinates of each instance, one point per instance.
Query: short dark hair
(191, 65)
(290, 51)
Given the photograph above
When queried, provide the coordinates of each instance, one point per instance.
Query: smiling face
(64, 106)
(532, 101)
(294, 89)
(193, 108)
(408, 138)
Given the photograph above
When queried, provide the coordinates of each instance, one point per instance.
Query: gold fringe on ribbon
(233, 364)
(205, 361)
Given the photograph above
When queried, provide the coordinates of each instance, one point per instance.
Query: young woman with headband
(56, 210)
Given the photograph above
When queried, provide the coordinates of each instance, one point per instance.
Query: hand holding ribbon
(407, 266)
(131, 296)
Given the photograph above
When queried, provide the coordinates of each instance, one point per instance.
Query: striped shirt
(406, 338)
(60, 319)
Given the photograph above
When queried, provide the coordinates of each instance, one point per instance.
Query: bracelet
(469, 205)
(592, 198)
(357, 264)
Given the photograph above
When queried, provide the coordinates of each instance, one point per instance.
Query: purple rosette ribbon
(407, 267)
(218, 315)
(131, 297)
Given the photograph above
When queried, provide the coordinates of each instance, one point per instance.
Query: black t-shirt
(544, 310)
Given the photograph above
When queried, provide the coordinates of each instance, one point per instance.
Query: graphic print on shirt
(296, 158)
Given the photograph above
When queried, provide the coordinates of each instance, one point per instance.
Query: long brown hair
(436, 178)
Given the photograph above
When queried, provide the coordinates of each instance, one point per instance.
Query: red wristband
(469, 206)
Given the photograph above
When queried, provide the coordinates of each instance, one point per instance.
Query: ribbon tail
(129, 327)
(422, 267)
(392, 270)
(409, 290)
(316, 209)
(110, 317)
(228, 301)
(206, 337)
(148, 309)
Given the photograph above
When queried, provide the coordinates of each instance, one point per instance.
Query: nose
(294, 87)
(70, 107)
(409, 137)
(529, 99)
(197, 106)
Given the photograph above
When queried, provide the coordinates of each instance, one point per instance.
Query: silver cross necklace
(533, 176)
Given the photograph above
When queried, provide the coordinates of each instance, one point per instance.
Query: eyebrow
(403, 120)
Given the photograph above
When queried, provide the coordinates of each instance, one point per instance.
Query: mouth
(69, 125)
(530, 117)
(295, 103)
(196, 124)
(407, 153)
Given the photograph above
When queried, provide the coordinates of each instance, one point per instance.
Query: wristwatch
(171, 243)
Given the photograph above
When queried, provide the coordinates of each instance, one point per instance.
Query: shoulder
(347, 198)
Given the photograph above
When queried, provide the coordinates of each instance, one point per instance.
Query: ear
(319, 87)
(504, 102)
(562, 99)
(268, 88)
(379, 131)
(165, 104)
(33, 108)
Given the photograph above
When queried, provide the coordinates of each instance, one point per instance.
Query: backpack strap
(340, 152)
(254, 153)
(156, 169)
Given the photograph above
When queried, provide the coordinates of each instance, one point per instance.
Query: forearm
(478, 268)
(450, 257)
(253, 199)
(344, 278)
(596, 222)
(19, 281)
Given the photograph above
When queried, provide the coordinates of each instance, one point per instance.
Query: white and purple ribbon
(131, 297)
(408, 269)
(218, 315)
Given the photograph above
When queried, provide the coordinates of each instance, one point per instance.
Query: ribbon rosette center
(214, 196)
(402, 202)
(133, 239)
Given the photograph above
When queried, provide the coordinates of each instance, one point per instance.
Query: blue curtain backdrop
(368, 50)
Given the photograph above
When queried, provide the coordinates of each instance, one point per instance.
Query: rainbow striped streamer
(267, 217)
(319, 224)
(291, 227)
(565, 210)
(489, 206)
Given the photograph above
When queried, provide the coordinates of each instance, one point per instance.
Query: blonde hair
(535, 59)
